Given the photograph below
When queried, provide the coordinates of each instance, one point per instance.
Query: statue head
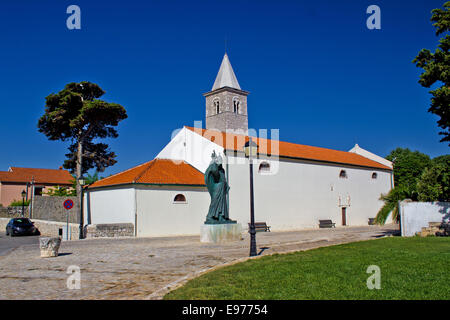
(217, 159)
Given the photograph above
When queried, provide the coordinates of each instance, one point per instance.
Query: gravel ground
(146, 268)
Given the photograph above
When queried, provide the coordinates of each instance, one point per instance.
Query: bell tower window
(217, 106)
(236, 103)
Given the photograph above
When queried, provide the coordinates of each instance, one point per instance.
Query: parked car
(20, 227)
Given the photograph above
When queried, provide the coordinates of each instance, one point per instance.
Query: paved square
(145, 268)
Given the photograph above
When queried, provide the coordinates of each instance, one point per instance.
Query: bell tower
(226, 103)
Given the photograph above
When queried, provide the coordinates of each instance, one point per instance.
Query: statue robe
(217, 185)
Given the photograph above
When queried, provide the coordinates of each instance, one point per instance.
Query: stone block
(434, 224)
(219, 233)
(49, 246)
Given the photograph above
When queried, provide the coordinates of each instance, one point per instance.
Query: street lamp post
(23, 201)
(251, 151)
(80, 207)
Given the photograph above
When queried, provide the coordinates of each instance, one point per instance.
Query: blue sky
(313, 70)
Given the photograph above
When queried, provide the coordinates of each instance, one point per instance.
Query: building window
(38, 191)
(374, 175)
(236, 103)
(264, 167)
(217, 105)
(343, 174)
(179, 198)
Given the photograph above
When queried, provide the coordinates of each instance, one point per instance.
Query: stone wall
(436, 229)
(109, 230)
(12, 212)
(51, 209)
(48, 228)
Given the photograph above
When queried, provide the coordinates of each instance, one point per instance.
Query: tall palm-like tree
(391, 203)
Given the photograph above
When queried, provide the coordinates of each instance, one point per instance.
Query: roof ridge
(192, 166)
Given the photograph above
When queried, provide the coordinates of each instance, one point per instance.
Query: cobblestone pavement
(146, 268)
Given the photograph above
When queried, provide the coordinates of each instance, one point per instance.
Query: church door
(344, 216)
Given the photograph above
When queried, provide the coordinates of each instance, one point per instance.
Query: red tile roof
(236, 142)
(157, 171)
(42, 176)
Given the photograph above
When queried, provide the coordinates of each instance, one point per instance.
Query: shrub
(18, 203)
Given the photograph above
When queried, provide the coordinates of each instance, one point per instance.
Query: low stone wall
(51, 229)
(48, 228)
(109, 230)
(435, 229)
(3, 223)
(12, 212)
(51, 209)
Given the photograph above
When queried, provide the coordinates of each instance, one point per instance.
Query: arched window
(264, 167)
(217, 105)
(179, 198)
(343, 174)
(374, 175)
(236, 103)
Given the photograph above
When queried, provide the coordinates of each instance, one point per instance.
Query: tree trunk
(79, 188)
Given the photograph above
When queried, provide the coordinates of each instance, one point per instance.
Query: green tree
(77, 114)
(91, 178)
(408, 166)
(59, 191)
(436, 68)
(434, 183)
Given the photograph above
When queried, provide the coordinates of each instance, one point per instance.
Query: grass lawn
(411, 268)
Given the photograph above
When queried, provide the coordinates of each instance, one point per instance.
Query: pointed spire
(226, 76)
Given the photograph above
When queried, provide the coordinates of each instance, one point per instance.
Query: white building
(295, 185)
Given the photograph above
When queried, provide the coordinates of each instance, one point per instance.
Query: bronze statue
(217, 185)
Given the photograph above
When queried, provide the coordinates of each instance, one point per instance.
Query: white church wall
(300, 193)
(109, 205)
(158, 214)
(176, 148)
(200, 148)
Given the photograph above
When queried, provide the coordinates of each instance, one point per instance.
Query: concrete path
(146, 268)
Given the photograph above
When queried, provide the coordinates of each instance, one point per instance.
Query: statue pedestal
(217, 233)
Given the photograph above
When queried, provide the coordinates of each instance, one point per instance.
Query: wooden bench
(260, 226)
(326, 224)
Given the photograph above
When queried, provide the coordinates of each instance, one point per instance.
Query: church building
(295, 185)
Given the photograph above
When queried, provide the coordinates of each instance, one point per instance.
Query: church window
(343, 174)
(264, 167)
(374, 175)
(217, 105)
(236, 104)
(179, 198)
